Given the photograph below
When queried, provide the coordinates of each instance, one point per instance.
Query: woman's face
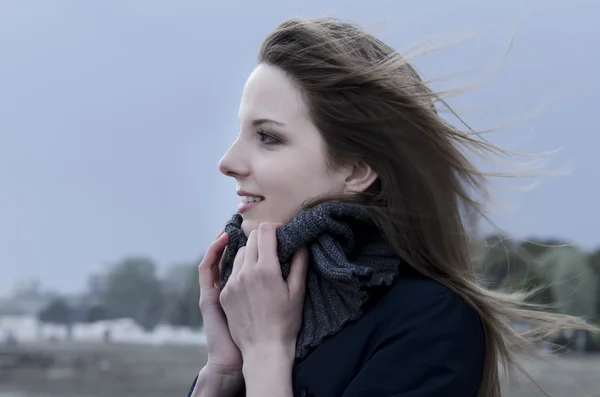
(279, 158)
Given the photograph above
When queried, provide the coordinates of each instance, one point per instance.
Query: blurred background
(114, 114)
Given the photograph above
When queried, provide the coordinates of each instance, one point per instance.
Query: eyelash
(267, 139)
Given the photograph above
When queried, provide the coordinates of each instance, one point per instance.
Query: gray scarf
(348, 255)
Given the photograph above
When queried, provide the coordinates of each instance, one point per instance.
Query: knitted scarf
(348, 254)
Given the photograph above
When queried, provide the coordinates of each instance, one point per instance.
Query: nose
(233, 163)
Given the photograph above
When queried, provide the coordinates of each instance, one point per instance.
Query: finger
(220, 269)
(222, 258)
(208, 269)
(267, 244)
(251, 254)
(217, 282)
(297, 279)
(219, 235)
(237, 262)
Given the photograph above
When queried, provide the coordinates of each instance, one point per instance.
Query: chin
(248, 226)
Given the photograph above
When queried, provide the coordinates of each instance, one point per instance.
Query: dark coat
(415, 339)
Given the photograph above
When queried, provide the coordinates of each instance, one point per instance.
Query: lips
(244, 207)
(249, 200)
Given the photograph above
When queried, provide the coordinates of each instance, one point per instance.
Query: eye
(267, 139)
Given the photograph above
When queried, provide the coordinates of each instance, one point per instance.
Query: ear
(360, 178)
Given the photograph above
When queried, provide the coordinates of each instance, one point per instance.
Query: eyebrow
(259, 122)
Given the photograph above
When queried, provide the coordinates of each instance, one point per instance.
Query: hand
(224, 365)
(264, 312)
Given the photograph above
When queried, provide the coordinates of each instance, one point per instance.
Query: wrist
(214, 382)
(268, 357)
(267, 370)
(268, 353)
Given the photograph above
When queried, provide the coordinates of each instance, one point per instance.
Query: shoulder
(427, 333)
(417, 301)
(424, 316)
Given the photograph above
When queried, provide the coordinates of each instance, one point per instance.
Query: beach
(135, 370)
(106, 369)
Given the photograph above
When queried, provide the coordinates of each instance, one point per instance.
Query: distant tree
(508, 266)
(133, 290)
(56, 312)
(534, 248)
(501, 262)
(97, 313)
(191, 297)
(594, 261)
(594, 264)
(182, 293)
(574, 286)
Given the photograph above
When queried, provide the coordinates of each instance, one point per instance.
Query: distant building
(25, 298)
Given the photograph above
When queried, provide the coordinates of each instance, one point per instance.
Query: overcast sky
(114, 114)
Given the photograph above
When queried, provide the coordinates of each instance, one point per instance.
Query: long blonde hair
(371, 105)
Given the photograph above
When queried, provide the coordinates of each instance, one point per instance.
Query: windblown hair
(371, 105)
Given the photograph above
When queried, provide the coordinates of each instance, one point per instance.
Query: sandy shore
(111, 370)
(98, 370)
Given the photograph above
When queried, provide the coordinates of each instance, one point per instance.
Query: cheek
(306, 179)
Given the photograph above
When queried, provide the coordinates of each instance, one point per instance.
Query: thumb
(297, 277)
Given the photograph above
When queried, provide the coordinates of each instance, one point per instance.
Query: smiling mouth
(249, 202)
(252, 199)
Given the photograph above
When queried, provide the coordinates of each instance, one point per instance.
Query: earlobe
(361, 178)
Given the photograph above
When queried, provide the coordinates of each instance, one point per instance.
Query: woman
(337, 124)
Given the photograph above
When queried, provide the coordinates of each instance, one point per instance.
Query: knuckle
(224, 297)
(244, 276)
(265, 226)
(232, 285)
(263, 272)
(204, 268)
(203, 303)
